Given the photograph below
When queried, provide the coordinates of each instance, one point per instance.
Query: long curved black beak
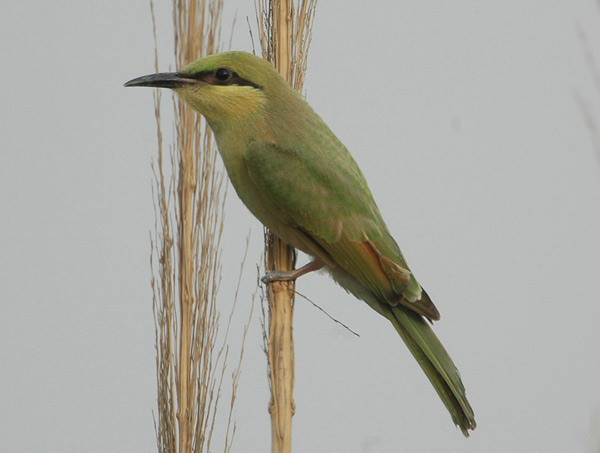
(162, 80)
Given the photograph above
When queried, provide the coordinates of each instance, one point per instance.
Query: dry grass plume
(189, 194)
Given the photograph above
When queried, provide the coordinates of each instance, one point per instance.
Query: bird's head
(223, 87)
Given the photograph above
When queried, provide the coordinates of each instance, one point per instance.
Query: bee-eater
(301, 182)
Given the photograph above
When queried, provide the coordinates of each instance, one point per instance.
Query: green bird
(301, 182)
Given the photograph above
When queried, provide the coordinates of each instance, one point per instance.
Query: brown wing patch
(385, 278)
(398, 277)
(362, 260)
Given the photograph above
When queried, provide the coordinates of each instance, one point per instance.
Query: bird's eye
(223, 74)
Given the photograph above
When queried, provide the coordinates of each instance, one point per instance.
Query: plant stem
(280, 345)
(280, 256)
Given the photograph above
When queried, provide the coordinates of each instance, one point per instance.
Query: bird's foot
(286, 276)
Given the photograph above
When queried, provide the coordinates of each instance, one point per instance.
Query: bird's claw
(286, 276)
(277, 276)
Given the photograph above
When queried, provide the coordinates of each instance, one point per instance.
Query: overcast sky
(465, 123)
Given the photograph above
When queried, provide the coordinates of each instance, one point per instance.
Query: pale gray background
(462, 116)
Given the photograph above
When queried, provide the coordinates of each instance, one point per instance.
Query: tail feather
(435, 362)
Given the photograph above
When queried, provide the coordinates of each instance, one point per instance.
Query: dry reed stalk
(285, 33)
(189, 224)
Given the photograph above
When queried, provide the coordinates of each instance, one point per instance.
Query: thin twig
(327, 314)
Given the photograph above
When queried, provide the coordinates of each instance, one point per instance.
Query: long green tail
(436, 363)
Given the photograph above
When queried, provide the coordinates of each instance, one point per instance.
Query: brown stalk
(285, 32)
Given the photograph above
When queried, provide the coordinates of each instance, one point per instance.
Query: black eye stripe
(217, 78)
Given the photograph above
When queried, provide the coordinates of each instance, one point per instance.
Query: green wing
(326, 197)
(328, 200)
